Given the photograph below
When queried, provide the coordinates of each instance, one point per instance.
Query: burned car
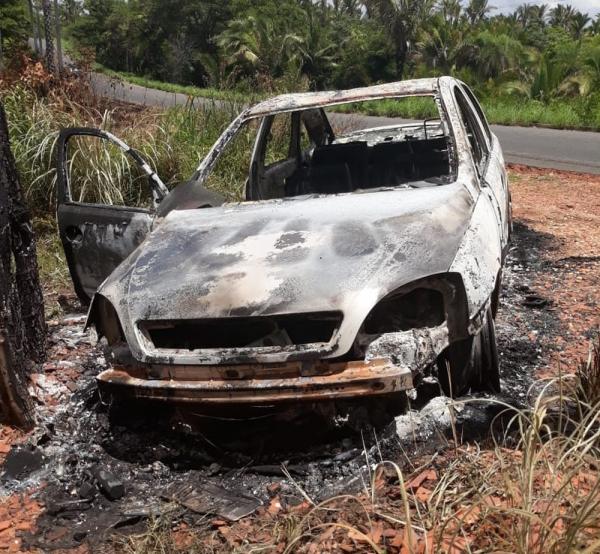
(357, 262)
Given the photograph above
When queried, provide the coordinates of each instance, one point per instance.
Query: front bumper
(256, 383)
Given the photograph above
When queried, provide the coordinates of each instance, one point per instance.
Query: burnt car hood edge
(343, 252)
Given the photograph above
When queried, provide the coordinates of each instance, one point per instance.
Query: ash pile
(102, 469)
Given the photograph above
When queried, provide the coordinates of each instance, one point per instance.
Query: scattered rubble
(191, 466)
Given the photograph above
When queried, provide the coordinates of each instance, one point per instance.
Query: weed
(534, 489)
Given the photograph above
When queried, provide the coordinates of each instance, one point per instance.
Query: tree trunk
(59, 54)
(38, 22)
(34, 27)
(47, 9)
(22, 323)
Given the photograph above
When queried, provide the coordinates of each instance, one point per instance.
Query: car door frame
(499, 189)
(258, 169)
(483, 167)
(114, 231)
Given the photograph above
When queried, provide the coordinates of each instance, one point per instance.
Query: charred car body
(357, 263)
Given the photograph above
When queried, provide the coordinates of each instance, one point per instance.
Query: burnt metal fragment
(208, 498)
(112, 487)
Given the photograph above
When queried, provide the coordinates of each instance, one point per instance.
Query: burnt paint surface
(345, 253)
(96, 239)
(341, 252)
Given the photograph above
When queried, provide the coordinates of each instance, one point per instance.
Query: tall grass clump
(173, 142)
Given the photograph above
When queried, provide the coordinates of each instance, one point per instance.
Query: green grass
(561, 114)
(409, 107)
(574, 113)
(189, 90)
(172, 141)
(571, 113)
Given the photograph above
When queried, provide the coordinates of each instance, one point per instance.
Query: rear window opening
(243, 332)
(330, 151)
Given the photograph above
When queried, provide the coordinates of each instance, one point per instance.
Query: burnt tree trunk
(47, 10)
(22, 323)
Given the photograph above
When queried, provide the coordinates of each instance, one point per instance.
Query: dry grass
(533, 489)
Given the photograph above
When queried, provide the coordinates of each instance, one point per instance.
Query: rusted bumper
(257, 384)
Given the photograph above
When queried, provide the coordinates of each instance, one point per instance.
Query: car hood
(342, 252)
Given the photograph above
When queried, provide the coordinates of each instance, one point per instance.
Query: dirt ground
(549, 312)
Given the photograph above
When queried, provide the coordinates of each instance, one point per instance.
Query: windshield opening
(340, 149)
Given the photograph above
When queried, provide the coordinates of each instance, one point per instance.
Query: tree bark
(47, 9)
(59, 54)
(22, 322)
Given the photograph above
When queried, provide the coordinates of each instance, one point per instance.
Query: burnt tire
(471, 364)
(496, 294)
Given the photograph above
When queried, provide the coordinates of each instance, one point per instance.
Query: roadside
(276, 467)
(545, 147)
(533, 146)
(506, 110)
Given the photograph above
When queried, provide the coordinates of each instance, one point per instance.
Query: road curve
(533, 146)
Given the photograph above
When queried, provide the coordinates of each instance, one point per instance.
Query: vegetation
(537, 65)
(173, 142)
(532, 488)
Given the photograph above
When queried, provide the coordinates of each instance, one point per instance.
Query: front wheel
(471, 364)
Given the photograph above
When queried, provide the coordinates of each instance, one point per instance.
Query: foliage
(263, 46)
(173, 142)
(13, 25)
(537, 65)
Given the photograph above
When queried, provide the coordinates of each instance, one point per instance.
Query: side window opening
(355, 158)
(230, 172)
(479, 110)
(100, 172)
(298, 153)
(476, 139)
(278, 144)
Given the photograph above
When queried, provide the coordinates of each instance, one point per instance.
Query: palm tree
(531, 14)
(591, 62)
(350, 7)
(445, 46)
(477, 10)
(403, 21)
(451, 11)
(562, 16)
(579, 22)
(552, 76)
(538, 13)
(496, 53)
(254, 42)
(316, 49)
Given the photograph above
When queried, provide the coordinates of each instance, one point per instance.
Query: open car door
(107, 195)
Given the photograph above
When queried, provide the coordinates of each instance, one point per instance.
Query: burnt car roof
(307, 100)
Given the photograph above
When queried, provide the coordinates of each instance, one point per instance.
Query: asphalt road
(534, 146)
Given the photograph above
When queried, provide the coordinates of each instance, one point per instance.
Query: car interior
(318, 161)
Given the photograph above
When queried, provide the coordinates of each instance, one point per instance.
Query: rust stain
(256, 383)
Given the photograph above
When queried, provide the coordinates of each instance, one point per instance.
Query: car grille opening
(239, 332)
